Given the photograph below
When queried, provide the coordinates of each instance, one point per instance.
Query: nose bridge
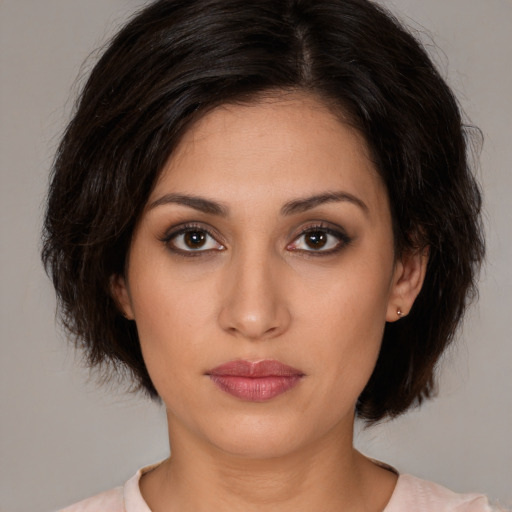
(253, 302)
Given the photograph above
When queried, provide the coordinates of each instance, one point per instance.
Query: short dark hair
(177, 60)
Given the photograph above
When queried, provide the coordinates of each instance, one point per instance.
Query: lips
(255, 381)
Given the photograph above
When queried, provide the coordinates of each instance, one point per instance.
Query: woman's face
(267, 237)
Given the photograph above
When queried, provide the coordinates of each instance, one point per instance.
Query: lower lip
(255, 389)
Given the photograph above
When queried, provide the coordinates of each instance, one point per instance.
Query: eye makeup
(320, 240)
(192, 239)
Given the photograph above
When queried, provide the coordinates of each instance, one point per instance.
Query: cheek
(345, 317)
(349, 298)
(166, 298)
(169, 313)
(171, 348)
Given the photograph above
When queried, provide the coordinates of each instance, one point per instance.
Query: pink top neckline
(411, 494)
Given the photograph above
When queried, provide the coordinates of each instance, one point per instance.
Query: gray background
(63, 438)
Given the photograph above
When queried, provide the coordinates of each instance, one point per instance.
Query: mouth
(257, 381)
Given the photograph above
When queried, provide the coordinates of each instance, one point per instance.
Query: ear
(408, 279)
(121, 295)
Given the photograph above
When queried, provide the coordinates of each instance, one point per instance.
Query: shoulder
(121, 499)
(108, 501)
(412, 493)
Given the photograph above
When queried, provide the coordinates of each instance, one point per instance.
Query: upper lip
(255, 369)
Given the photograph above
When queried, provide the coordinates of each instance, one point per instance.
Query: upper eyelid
(328, 227)
(338, 233)
(176, 231)
(190, 226)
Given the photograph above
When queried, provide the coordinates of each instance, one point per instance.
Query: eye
(320, 239)
(192, 239)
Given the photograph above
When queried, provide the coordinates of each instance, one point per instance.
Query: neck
(327, 475)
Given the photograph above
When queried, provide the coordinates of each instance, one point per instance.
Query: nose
(253, 302)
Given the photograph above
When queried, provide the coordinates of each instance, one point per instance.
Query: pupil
(316, 239)
(195, 239)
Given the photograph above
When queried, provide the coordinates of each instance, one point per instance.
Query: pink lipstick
(255, 381)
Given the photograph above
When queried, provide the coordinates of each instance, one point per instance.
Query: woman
(265, 213)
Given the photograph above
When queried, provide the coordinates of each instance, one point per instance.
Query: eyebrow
(308, 203)
(197, 203)
(290, 208)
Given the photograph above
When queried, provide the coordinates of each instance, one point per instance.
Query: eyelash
(184, 229)
(343, 240)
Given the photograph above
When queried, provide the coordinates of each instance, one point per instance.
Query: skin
(258, 290)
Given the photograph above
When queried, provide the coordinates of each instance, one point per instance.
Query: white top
(411, 494)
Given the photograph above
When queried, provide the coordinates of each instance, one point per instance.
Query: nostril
(253, 311)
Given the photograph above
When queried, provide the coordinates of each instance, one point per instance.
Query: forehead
(277, 147)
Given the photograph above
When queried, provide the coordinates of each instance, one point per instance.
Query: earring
(399, 313)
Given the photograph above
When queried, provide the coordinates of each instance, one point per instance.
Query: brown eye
(194, 239)
(315, 239)
(320, 240)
